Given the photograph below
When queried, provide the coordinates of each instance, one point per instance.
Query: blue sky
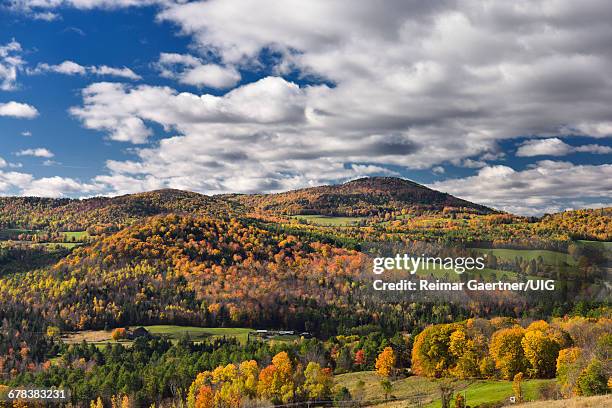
(506, 106)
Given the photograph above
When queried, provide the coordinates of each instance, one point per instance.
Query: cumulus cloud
(37, 152)
(56, 187)
(190, 70)
(19, 183)
(18, 110)
(72, 68)
(122, 110)
(10, 63)
(546, 186)
(557, 147)
(45, 16)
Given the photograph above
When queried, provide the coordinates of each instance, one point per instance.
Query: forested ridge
(361, 197)
(96, 214)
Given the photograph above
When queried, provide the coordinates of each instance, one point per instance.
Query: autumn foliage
(283, 381)
(502, 348)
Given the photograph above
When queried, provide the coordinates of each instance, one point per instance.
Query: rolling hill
(76, 215)
(365, 196)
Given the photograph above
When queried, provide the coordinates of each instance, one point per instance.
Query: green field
(487, 391)
(549, 257)
(71, 239)
(76, 235)
(198, 333)
(606, 246)
(173, 333)
(329, 221)
(416, 390)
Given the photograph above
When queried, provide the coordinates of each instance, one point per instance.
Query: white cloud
(190, 70)
(18, 110)
(66, 67)
(26, 133)
(118, 72)
(3, 163)
(37, 152)
(547, 186)
(595, 129)
(10, 63)
(438, 170)
(17, 183)
(72, 68)
(45, 16)
(593, 148)
(556, 147)
(56, 187)
(540, 147)
(470, 163)
(122, 110)
(9, 181)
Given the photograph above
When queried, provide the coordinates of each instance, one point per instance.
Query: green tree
(593, 380)
(387, 387)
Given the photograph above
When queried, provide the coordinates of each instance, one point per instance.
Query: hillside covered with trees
(297, 262)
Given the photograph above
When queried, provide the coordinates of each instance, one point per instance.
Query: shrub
(119, 333)
(592, 380)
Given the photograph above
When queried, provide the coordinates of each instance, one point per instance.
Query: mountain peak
(363, 196)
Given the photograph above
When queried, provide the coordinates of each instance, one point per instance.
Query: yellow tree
(317, 382)
(464, 349)
(249, 370)
(431, 356)
(517, 387)
(385, 362)
(567, 371)
(541, 350)
(507, 351)
(97, 403)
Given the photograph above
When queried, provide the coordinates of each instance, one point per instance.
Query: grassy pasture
(487, 391)
(602, 245)
(171, 332)
(578, 402)
(198, 333)
(328, 221)
(76, 235)
(71, 239)
(416, 390)
(549, 257)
